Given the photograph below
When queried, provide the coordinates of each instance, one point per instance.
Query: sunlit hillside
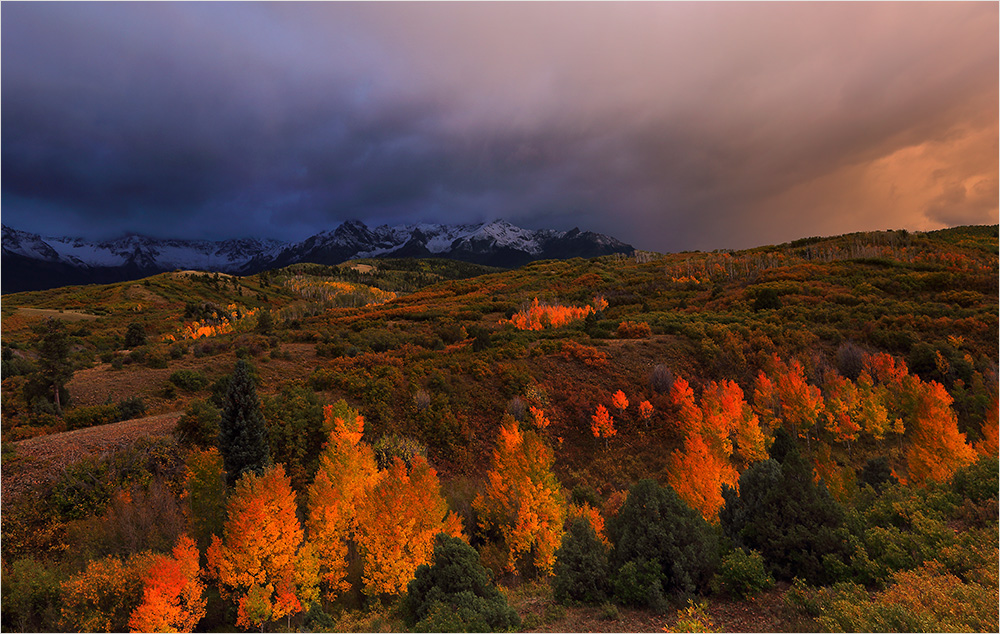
(817, 420)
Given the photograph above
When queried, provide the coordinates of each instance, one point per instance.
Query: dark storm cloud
(669, 125)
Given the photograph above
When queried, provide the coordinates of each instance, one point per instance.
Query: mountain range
(32, 262)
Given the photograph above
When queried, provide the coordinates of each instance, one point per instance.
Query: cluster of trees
(537, 316)
(277, 529)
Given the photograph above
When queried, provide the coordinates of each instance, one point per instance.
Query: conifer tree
(454, 593)
(242, 432)
(784, 514)
(53, 360)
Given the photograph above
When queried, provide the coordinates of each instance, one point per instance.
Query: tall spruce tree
(54, 365)
(242, 431)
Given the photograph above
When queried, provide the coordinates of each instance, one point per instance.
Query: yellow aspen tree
(262, 536)
(347, 471)
(523, 501)
(397, 522)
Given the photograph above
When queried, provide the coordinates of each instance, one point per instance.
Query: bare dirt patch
(101, 384)
(64, 315)
(41, 459)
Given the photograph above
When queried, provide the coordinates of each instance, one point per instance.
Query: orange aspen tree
(697, 474)
(347, 471)
(645, 412)
(103, 596)
(872, 414)
(689, 414)
(592, 515)
(261, 541)
(937, 449)
(713, 432)
(842, 409)
(397, 522)
(784, 397)
(172, 597)
(987, 445)
(539, 417)
(523, 500)
(603, 426)
(619, 402)
(728, 422)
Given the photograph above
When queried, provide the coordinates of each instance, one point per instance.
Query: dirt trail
(42, 458)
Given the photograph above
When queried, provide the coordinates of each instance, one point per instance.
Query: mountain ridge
(33, 262)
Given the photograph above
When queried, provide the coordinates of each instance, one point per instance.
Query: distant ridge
(32, 262)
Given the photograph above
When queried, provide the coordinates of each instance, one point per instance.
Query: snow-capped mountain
(31, 262)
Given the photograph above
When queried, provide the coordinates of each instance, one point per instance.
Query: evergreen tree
(53, 360)
(581, 571)
(782, 513)
(135, 336)
(455, 594)
(242, 431)
(661, 546)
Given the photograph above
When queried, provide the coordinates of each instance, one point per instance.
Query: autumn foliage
(619, 401)
(397, 521)
(347, 471)
(255, 561)
(937, 449)
(172, 597)
(539, 316)
(713, 430)
(522, 500)
(603, 426)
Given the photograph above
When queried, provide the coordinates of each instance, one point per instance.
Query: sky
(670, 126)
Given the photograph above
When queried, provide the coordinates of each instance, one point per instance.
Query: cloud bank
(669, 125)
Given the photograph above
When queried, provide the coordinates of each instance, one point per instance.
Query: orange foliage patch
(172, 597)
(589, 356)
(540, 316)
(619, 401)
(634, 330)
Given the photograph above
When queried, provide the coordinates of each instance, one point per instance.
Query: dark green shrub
(585, 494)
(31, 596)
(979, 481)
(780, 512)
(199, 425)
(665, 538)
(135, 336)
(639, 583)
(581, 570)
(156, 360)
(132, 407)
(767, 299)
(877, 474)
(189, 380)
(455, 593)
(742, 574)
